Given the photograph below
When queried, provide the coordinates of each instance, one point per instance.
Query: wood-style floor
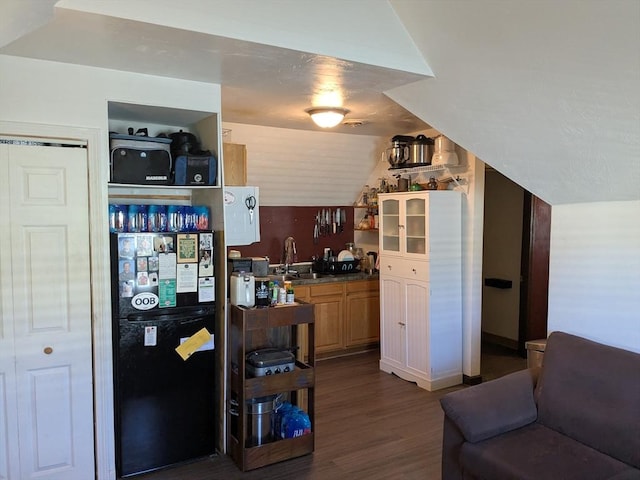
(369, 425)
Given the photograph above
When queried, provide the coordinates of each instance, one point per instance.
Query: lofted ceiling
(262, 84)
(545, 92)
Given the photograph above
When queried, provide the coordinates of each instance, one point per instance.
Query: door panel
(48, 396)
(418, 326)
(392, 342)
(328, 323)
(49, 309)
(8, 423)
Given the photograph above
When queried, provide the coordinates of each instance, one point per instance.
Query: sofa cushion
(591, 392)
(491, 408)
(536, 452)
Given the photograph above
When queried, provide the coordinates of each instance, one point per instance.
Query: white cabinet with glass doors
(421, 287)
(403, 224)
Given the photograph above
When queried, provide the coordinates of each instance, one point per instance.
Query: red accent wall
(278, 223)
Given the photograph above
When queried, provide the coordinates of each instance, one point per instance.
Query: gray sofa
(578, 417)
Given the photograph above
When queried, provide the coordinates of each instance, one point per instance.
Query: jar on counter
(290, 295)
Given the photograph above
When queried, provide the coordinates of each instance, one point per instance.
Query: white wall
(305, 168)
(41, 94)
(594, 278)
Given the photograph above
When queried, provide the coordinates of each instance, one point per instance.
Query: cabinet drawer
(336, 288)
(401, 267)
(362, 286)
(301, 292)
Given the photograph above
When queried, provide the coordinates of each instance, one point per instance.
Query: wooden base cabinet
(328, 302)
(362, 313)
(347, 316)
(421, 288)
(256, 328)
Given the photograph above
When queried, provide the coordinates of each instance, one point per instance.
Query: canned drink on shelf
(191, 219)
(202, 217)
(117, 218)
(157, 218)
(137, 218)
(175, 218)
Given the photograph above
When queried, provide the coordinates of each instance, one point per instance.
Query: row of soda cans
(158, 218)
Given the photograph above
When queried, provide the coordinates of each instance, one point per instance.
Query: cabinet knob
(402, 324)
(414, 270)
(48, 350)
(389, 267)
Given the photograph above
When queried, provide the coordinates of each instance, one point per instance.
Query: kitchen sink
(313, 275)
(285, 277)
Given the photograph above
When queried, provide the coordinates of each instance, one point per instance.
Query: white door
(417, 318)
(392, 322)
(46, 402)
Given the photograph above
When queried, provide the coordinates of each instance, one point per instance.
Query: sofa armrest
(489, 409)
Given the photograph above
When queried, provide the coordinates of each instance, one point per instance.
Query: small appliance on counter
(270, 361)
(260, 266)
(242, 289)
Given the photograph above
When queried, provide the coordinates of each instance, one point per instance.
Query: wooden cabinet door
(362, 321)
(235, 164)
(302, 336)
(328, 301)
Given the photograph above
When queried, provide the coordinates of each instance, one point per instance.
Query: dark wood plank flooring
(369, 425)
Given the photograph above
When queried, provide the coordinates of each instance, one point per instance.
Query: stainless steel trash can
(535, 352)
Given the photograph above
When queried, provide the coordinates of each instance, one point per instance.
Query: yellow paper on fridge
(193, 343)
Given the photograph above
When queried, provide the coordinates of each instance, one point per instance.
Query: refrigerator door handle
(167, 317)
(189, 320)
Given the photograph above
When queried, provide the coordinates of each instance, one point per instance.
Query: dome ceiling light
(327, 117)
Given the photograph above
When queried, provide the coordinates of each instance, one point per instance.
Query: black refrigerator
(165, 400)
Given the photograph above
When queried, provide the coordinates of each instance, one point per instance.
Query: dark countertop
(343, 277)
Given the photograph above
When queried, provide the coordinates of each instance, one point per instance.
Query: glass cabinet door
(415, 226)
(390, 225)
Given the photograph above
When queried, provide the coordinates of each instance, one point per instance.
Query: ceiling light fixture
(327, 117)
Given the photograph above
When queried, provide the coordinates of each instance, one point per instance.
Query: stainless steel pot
(421, 151)
(259, 420)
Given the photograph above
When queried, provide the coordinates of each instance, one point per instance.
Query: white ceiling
(261, 84)
(546, 92)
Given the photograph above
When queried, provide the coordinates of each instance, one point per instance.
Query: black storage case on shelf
(196, 170)
(141, 160)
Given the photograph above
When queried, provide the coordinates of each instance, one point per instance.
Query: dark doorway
(515, 273)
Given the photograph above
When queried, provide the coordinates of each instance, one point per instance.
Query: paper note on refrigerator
(193, 343)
